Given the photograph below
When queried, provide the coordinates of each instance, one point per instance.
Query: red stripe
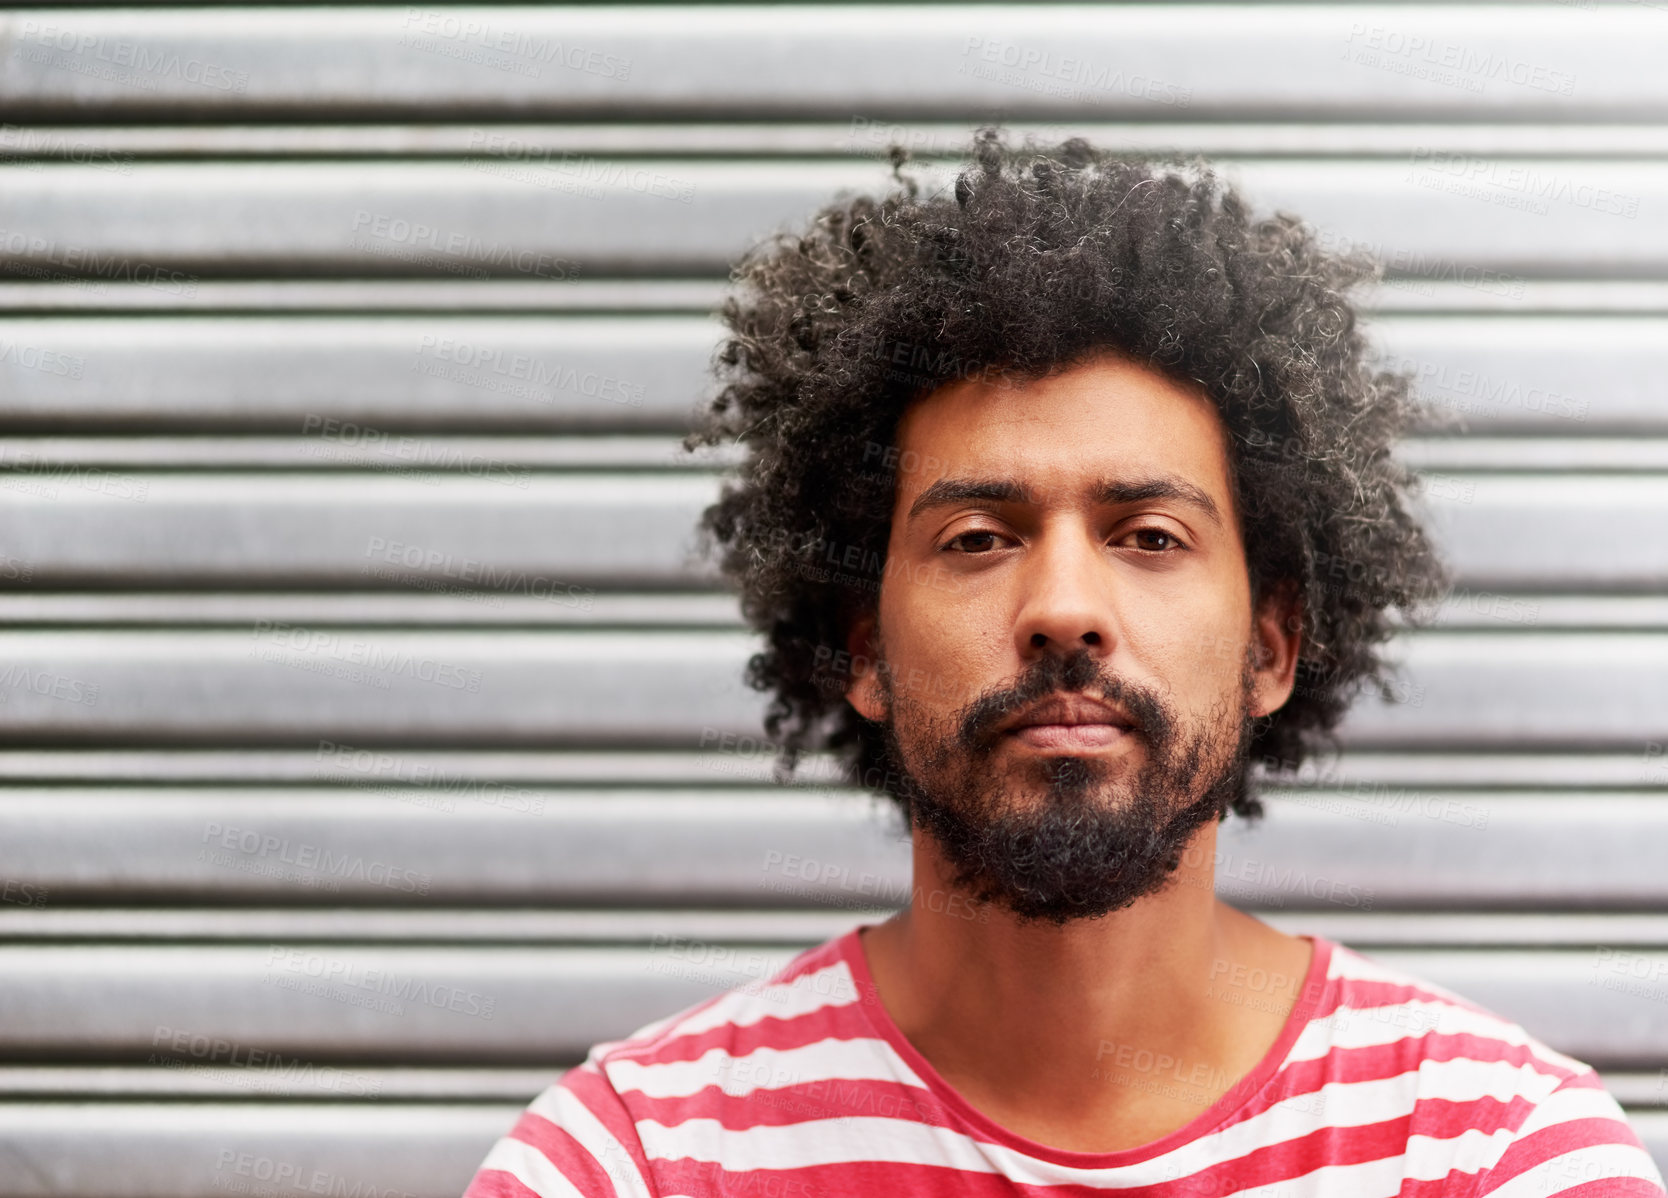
(1614, 1187)
(1374, 992)
(1443, 1119)
(810, 961)
(835, 1098)
(884, 1179)
(1267, 1165)
(1459, 1183)
(1379, 1062)
(785, 1106)
(1289, 1159)
(495, 1183)
(1547, 1143)
(598, 1097)
(569, 1157)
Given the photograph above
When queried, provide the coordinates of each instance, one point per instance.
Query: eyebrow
(1107, 491)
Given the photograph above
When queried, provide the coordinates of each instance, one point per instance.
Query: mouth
(1070, 723)
(1070, 736)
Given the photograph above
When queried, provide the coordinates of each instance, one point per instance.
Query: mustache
(1078, 671)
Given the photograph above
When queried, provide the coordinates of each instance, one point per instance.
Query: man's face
(1068, 660)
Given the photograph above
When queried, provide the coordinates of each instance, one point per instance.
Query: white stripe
(531, 1168)
(1461, 1080)
(868, 1059)
(1581, 1164)
(849, 1140)
(563, 1108)
(1349, 964)
(1577, 1102)
(1376, 1026)
(819, 1142)
(1353, 966)
(1464, 1079)
(1430, 1158)
(1336, 1104)
(648, 1031)
(854, 1138)
(1473, 1150)
(1370, 1027)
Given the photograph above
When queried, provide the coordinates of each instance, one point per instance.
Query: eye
(1155, 531)
(982, 535)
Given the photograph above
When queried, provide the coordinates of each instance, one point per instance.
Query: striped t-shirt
(802, 1087)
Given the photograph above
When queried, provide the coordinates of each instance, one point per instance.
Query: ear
(864, 692)
(1277, 639)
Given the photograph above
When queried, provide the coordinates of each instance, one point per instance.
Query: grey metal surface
(352, 1003)
(531, 926)
(493, 524)
(1525, 769)
(681, 217)
(333, 382)
(1151, 60)
(374, 1003)
(387, 842)
(305, 376)
(853, 135)
(178, 1150)
(1529, 296)
(276, 682)
(390, 843)
(1462, 609)
(209, 1149)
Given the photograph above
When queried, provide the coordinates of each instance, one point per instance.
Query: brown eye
(976, 535)
(1159, 532)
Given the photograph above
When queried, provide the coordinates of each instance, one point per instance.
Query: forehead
(1108, 416)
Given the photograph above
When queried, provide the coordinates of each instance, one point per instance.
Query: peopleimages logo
(475, 365)
(1036, 68)
(122, 61)
(474, 38)
(422, 244)
(1529, 180)
(339, 978)
(45, 361)
(1449, 63)
(319, 859)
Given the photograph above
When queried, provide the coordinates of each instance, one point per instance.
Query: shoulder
(608, 1126)
(803, 992)
(1575, 1135)
(1484, 1100)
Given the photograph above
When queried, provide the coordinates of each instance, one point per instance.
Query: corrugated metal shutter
(367, 718)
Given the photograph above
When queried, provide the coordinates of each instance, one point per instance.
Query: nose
(1067, 603)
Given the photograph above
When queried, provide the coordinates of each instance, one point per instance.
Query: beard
(1058, 836)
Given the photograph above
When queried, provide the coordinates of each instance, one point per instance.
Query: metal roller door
(372, 735)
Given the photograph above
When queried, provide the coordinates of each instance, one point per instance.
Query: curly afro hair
(1041, 258)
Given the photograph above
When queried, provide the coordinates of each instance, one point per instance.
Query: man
(1074, 440)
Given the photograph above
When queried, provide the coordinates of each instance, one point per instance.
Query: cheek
(941, 664)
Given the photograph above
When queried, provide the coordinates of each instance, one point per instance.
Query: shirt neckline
(850, 946)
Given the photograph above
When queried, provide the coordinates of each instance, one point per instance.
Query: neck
(1072, 1029)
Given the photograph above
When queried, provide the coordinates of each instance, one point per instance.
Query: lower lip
(1070, 736)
